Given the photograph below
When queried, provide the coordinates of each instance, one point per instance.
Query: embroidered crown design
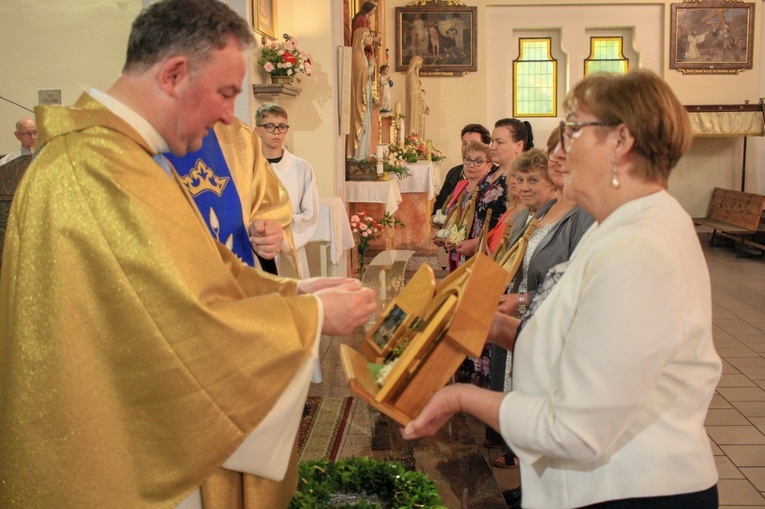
(201, 178)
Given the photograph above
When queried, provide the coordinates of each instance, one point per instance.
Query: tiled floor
(735, 422)
(736, 417)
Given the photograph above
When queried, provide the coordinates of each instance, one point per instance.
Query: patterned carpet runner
(322, 427)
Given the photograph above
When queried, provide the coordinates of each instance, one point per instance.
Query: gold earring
(615, 178)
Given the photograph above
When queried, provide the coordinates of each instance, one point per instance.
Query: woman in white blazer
(614, 364)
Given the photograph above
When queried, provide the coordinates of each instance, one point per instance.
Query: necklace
(558, 216)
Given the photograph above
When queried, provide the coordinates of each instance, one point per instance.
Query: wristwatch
(521, 304)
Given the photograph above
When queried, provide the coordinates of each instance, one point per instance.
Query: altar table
(333, 238)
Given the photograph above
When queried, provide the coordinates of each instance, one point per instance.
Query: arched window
(606, 55)
(535, 79)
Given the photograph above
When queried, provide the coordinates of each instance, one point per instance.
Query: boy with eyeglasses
(26, 133)
(297, 176)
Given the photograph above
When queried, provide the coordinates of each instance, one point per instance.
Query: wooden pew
(735, 215)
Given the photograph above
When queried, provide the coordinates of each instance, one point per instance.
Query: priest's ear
(172, 72)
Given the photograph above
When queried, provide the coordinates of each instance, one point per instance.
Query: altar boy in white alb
(297, 176)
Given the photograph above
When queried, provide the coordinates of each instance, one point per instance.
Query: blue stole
(206, 175)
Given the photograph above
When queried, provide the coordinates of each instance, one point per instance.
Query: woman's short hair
(477, 146)
(646, 105)
(553, 140)
(534, 159)
(519, 131)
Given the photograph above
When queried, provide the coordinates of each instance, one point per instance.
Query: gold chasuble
(136, 353)
(262, 194)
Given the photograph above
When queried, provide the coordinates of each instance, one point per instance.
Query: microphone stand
(17, 104)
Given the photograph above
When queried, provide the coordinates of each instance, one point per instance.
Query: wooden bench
(737, 216)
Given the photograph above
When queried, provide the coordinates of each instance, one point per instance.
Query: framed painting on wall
(264, 17)
(711, 38)
(445, 36)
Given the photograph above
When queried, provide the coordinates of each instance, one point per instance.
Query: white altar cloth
(423, 179)
(334, 229)
(386, 192)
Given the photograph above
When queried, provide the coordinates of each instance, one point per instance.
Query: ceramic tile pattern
(735, 422)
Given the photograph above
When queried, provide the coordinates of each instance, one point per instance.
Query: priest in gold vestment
(137, 353)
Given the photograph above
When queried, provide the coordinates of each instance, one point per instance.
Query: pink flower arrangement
(284, 58)
(366, 229)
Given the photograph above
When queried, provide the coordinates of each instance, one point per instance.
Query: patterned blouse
(491, 195)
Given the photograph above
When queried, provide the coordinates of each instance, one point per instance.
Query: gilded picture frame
(711, 38)
(444, 35)
(264, 18)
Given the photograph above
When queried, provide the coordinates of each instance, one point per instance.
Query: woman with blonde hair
(466, 196)
(614, 365)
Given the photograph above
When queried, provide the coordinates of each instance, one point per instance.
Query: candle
(383, 289)
(397, 109)
(380, 151)
(379, 167)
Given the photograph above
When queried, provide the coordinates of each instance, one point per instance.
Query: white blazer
(615, 370)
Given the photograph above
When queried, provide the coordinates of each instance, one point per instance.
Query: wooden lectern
(433, 328)
(10, 176)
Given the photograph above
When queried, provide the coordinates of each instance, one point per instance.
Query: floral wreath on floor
(362, 483)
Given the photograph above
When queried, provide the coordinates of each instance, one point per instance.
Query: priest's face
(206, 96)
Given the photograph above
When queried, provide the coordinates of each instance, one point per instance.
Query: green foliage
(391, 222)
(388, 481)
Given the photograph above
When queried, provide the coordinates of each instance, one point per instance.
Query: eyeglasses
(472, 162)
(272, 128)
(569, 130)
(30, 133)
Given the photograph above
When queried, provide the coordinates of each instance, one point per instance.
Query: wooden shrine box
(436, 325)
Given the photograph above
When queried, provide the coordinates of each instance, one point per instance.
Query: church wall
(73, 44)
(313, 133)
(486, 96)
(62, 44)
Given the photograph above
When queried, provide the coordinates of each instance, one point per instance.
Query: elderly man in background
(140, 357)
(26, 133)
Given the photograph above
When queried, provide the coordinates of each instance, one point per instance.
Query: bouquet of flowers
(406, 153)
(413, 140)
(284, 58)
(439, 218)
(393, 162)
(456, 234)
(365, 229)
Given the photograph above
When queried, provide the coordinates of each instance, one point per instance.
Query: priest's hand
(266, 238)
(314, 284)
(346, 307)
